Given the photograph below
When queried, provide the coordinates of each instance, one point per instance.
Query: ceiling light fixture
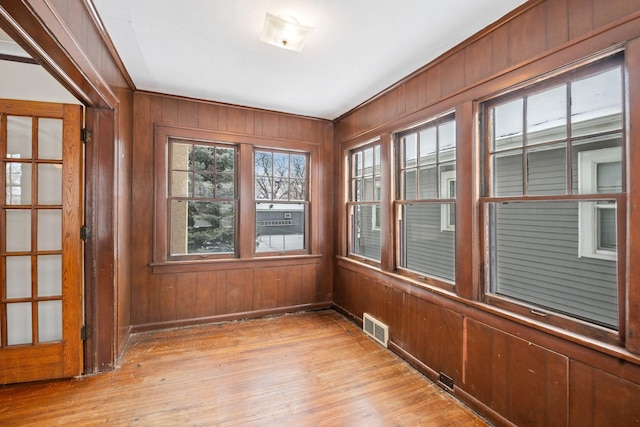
(284, 32)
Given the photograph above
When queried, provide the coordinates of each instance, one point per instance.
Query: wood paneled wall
(175, 295)
(504, 367)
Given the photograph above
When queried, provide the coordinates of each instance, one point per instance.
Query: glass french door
(40, 245)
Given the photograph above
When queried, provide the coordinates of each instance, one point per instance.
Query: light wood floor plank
(309, 369)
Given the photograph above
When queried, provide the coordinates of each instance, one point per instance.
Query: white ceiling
(209, 49)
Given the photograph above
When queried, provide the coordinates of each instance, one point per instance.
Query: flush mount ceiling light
(284, 32)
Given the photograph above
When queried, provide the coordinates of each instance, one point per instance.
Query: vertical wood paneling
(207, 116)
(597, 398)
(187, 113)
(206, 285)
(580, 18)
(518, 379)
(606, 11)
(527, 35)
(453, 69)
(186, 295)
(557, 22)
(476, 65)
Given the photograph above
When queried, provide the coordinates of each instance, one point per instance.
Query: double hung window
(364, 201)
(202, 201)
(553, 168)
(281, 201)
(426, 198)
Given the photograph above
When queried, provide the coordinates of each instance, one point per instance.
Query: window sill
(170, 267)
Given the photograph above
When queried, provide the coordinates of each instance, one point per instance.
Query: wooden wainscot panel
(525, 383)
(434, 336)
(597, 398)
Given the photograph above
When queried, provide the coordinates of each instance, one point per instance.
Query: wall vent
(375, 329)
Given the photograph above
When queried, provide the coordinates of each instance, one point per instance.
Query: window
(364, 202)
(600, 172)
(426, 198)
(281, 201)
(202, 201)
(553, 179)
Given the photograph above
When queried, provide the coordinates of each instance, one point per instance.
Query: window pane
(180, 184)
(264, 163)
(596, 103)
(428, 183)
(297, 190)
(447, 141)
(536, 260)
(409, 150)
(281, 188)
(202, 185)
(180, 154)
(547, 170)
(409, 185)
(280, 227)
(225, 161)
(202, 227)
(547, 116)
(606, 229)
(426, 248)
(368, 161)
(280, 165)
(357, 164)
(202, 158)
(507, 125)
(365, 236)
(376, 160)
(298, 166)
(507, 174)
(225, 188)
(264, 189)
(428, 146)
(609, 177)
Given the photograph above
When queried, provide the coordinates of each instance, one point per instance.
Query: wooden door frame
(35, 25)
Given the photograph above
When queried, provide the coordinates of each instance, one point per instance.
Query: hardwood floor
(309, 369)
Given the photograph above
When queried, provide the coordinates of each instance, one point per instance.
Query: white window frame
(588, 162)
(446, 177)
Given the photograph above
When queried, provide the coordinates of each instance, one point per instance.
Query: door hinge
(85, 332)
(84, 233)
(85, 135)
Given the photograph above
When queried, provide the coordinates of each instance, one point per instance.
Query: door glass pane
(18, 184)
(49, 184)
(50, 230)
(50, 139)
(49, 321)
(18, 277)
(49, 275)
(19, 137)
(18, 231)
(19, 323)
